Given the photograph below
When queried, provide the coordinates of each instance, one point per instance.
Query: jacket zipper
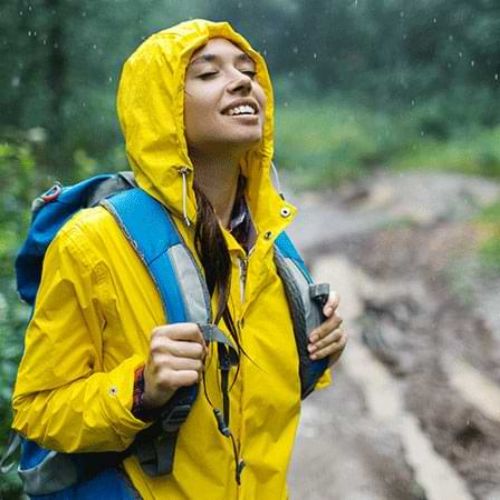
(243, 264)
(243, 278)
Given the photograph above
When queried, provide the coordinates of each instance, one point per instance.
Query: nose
(241, 84)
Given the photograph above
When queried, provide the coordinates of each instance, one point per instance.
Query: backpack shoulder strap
(306, 300)
(185, 297)
(51, 210)
(149, 228)
(169, 262)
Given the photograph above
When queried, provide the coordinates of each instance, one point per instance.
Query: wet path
(368, 437)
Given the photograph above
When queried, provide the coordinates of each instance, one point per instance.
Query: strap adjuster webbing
(175, 417)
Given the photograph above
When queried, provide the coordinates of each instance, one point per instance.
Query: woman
(195, 105)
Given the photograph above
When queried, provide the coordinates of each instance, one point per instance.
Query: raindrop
(402, 14)
(295, 50)
(37, 134)
(240, 5)
(285, 104)
(460, 54)
(110, 79)
(15, 81)
(84, 14)
(56, 45)
(422, 133)
(496, 76)
(30, 8)
(315, 55)
(94, 46)
(450, 38)
(29, 33)
(434, 20)
(21, 12)
(355, 3)
(413, 102)
(472, 63)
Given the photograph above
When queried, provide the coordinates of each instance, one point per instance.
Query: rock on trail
(413, 412)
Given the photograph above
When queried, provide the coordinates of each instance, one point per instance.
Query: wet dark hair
(215, 259)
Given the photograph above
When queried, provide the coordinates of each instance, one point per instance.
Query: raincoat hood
(151, 112)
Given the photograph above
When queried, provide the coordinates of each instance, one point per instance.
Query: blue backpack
(47, 474)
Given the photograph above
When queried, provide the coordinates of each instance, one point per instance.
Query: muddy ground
(414, 410)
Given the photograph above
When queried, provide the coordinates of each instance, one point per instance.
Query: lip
(242, 102)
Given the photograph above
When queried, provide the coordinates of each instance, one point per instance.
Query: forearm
(88, 414)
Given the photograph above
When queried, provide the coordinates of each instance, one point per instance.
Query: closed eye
(249, 72)
(207, 75)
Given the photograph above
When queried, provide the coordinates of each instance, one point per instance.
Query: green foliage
(476, 152)
(60, 62)
(337, 138)
(17, 187)
(330, 140)
(489, 251)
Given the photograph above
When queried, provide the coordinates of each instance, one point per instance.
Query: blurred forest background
(359, 85)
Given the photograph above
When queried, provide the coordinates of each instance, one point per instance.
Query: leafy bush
(17, 186)
(331, 140)
(327, 141)
(21, 179)
(489, 251)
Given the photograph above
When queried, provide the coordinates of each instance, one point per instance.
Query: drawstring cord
(184, 171)
(222, 417)
(276, 178)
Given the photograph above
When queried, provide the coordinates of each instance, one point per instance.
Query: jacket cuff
(118, 396)
(139, 409)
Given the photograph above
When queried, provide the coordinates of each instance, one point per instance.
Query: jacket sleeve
(63, 398)
(325, 380)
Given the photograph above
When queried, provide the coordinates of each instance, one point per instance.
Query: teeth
(244, 109)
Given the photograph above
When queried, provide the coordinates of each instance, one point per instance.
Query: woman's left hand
(329, 339)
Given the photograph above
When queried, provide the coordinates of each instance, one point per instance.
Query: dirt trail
(414, 409)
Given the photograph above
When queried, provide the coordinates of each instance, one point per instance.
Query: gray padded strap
(55, 473)
(8, 460)
(121, 182)
(192, 285)
(308, 293)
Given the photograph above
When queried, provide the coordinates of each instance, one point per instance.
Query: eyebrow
(213, 57)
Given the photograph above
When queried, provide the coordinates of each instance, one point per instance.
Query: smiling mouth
(242, 110)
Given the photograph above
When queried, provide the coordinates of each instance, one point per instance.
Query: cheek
(198, 103)
(261, 97)
(194, 110)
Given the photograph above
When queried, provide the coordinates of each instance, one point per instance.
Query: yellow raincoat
(97, 305)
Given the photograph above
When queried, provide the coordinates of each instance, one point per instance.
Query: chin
(230, 144)
(245, 141)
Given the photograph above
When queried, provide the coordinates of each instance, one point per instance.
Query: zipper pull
(239, 469)
(221, 424)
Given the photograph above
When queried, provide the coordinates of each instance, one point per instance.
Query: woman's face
(223, 104)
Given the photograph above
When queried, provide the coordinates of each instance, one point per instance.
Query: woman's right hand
(176, 359)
